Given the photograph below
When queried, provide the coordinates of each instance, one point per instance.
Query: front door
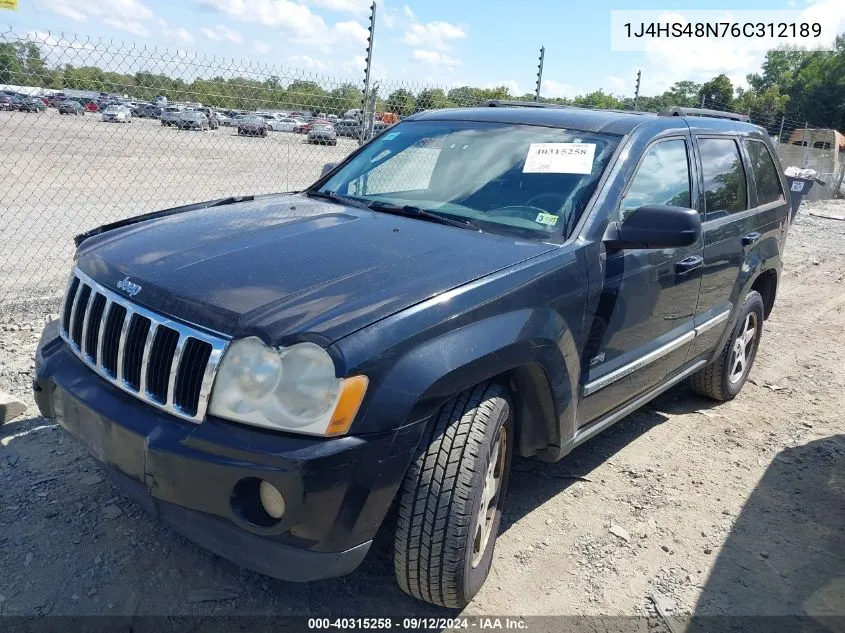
(644, 317)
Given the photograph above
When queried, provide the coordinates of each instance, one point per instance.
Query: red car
(92, 107)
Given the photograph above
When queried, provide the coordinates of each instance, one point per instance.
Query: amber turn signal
(351, 395)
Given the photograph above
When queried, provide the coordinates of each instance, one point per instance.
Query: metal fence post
(365, 99)
(780, 132)
(702, 102)
(838, 181)
(540, 73)
(806, 147)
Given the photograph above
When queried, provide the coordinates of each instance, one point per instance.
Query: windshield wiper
(415, 212)
(338, 198)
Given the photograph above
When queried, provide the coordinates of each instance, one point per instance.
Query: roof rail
(505, 103)
(716, 114)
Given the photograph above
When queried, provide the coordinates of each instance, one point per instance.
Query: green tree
(342, 99)
(401, 102)
(432, 99)
(718, 93)
(11, 68)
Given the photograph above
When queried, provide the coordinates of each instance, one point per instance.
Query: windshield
(516, 179)
(114, 109)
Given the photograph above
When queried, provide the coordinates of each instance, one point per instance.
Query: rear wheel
(450, 505)
(723, 379)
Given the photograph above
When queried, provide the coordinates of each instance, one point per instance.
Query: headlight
(291, 388)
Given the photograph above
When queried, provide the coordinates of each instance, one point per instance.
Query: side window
(765, 173)
(663, 177)
(725, 189)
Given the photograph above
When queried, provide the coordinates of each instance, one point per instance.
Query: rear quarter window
(764, 172)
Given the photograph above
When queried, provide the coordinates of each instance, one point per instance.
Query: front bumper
(201, 478)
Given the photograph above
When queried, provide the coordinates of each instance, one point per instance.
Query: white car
(278, 123)
(117, 113)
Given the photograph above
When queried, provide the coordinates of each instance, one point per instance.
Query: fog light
(271, 499)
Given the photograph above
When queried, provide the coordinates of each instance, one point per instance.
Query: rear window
(765, 173)
(725, 189)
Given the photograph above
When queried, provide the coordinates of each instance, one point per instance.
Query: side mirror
(655, 226)
(327, 168)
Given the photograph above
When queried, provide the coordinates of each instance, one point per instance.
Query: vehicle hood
(284, 265)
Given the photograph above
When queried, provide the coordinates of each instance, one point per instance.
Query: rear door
(644, 317)
(731, 227)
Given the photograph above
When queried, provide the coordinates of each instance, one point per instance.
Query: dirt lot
(65, 174)
(735, 508)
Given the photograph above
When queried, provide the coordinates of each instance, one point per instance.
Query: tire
(440, 554)
(723, 379)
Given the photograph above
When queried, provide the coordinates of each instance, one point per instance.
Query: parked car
(171, 114)
(348, 127)
(69, 106)
(147, 110)
(212, 116)
(92, 106)
(278, 123)
(8, 103)
(302, 126)
(295, 367)
(193, 120)
(252, 125)
(117, 114)
(322, 133)
(31, 104)
(54, 100)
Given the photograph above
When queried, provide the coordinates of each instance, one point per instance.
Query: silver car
(322, 133)
(171, 115)
(117, 113)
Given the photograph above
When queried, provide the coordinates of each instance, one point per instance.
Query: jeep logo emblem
(128, 287)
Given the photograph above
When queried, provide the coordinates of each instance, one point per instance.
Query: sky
(419, 42)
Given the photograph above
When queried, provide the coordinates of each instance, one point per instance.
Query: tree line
(793, 83)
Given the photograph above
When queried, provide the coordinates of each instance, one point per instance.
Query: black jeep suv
(271, 375)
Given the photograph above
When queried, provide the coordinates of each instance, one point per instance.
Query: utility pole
(702, 102)
(365, 97)
(637, 90)
(540, 74)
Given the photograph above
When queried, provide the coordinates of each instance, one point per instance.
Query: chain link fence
(141, 129)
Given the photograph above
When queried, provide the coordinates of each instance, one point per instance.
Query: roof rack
(506, 103)
(716, 114)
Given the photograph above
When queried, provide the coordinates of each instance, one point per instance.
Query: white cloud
(433, 34)
(296, 22)
(352, 31)
(617, 83)
(222, 32)
(176, 34)
(435, 58)
(132, 26)
(121, 10)
(304, 61)
(409, 13)
(261, 47)
(556, 90)
(347, 6)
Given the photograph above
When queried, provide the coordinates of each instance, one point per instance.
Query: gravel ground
(65, 174)
(700, 507)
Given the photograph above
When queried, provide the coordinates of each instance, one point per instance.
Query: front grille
(167, 364)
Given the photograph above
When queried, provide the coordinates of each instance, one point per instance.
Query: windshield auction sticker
(559, 158)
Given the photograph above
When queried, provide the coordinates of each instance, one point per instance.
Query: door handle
(689, 263)
(748, 240)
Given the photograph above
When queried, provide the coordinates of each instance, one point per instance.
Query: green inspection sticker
(549, 219)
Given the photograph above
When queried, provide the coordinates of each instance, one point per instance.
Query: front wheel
(723, 379)
(450, 505)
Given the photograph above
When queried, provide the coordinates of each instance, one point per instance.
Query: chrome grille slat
(103, 320)
(83, 339)
(174, 368)
(145, 357)
(121, 347)
(154, 358)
